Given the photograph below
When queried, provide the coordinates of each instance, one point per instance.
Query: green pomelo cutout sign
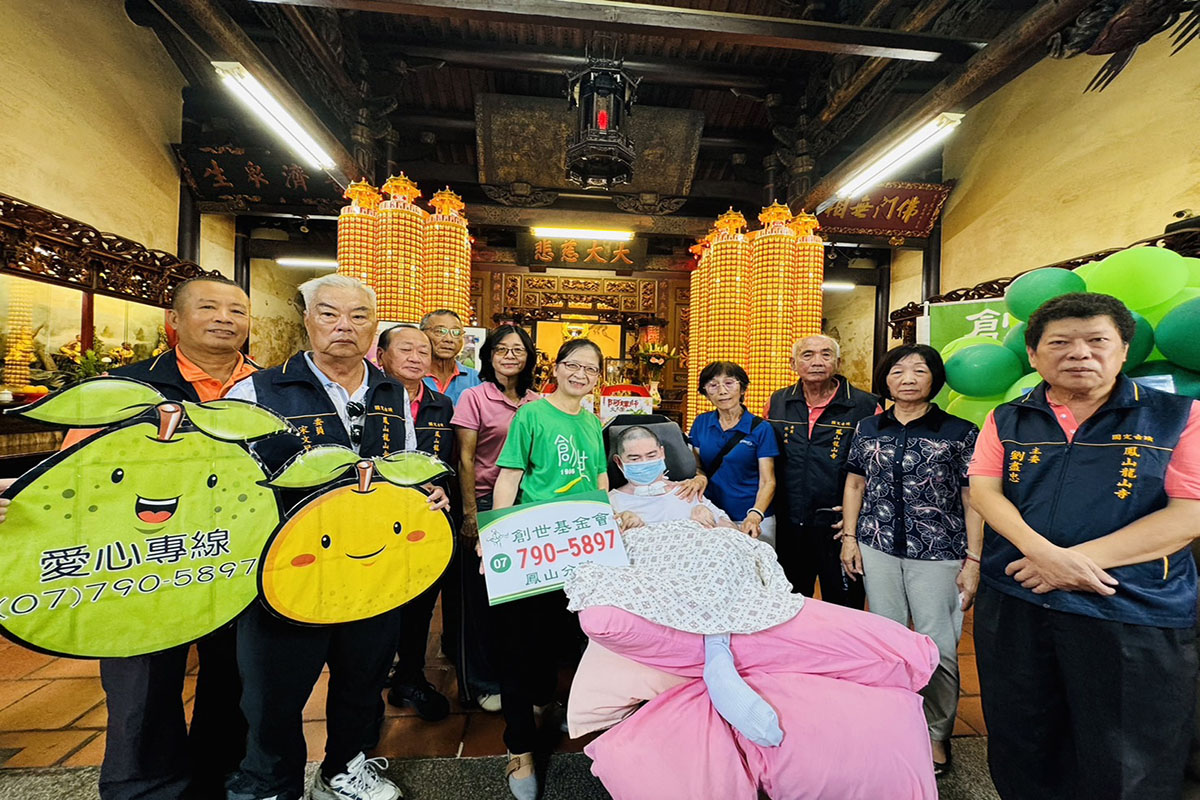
(138, 538)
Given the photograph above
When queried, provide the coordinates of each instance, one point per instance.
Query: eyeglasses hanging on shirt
(355, 411)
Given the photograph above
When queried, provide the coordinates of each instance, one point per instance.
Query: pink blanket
(843, 683)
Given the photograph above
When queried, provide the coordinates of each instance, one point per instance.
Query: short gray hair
(440, 312)
(632, 434)
(309, 289)
(837, 348)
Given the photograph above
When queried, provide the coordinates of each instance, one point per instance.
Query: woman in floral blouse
(907, 502)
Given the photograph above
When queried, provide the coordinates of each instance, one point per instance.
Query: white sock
(732, 697)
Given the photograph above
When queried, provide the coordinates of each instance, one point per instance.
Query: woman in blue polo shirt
(736, 451)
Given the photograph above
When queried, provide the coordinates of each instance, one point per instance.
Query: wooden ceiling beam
(489, 56)
(1003, 58)
(918, 20)
(686, 23)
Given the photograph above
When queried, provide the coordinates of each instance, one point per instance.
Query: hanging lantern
(600, 153)
(696, 350)
(446, 274)
(773, 284)
(400, 252)
(358, 226)
(810, 274)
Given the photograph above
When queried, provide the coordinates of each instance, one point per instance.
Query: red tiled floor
(413, 737)
(52, 711)
(68, 668)
(41, 748)
(17, 662)
(12, 691)
(971, 710)
(90, 755)
(967, 674)
(55, 705)
(484, 735)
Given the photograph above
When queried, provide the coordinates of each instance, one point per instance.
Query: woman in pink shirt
(481, 419)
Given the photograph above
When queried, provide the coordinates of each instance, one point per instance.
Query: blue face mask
(645, 471)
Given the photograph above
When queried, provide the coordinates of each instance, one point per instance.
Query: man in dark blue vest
(814, 422)
(1085, 619)
(149, 751)
(405, 354)
(332, 395)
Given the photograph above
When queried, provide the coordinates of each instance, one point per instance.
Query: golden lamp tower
(400, 252)
(446, 274)
(810, 274)
(20, 351)
(696, 328)
(358, 229)
(773, 296)
(726, 303)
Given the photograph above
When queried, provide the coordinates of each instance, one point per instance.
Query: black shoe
(940, 768)
(430, 705)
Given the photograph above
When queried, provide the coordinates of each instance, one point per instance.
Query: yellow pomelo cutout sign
(361, 548)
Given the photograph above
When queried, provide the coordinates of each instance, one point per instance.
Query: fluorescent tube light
(838, 286)
(308, 263)
(256, 97)
(909, 148)
(583, 233)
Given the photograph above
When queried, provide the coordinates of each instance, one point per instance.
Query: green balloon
(1154, 314)
(982, 371)
(1186, 382)
(1022, 385)
(1140, 277)
(1193, 265)
(1086, 269)
(1028, 292)
(1141, 344)
(954, 345)
(1178, 335)
(974, 409)
(1015, 341)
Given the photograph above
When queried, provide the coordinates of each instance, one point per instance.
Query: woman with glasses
(736, 452)
(555, 448)
(907, 504)
(481, 421)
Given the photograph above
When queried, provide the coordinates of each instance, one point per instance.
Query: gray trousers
(923, 591)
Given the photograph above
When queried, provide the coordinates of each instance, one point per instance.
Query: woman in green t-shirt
(554, 448)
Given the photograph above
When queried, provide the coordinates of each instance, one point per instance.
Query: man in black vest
(149, 753)
(1085, 618)
(332, 395)
(405, 354)
(814, 421)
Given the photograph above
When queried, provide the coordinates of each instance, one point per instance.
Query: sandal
(525, 788)
(940, 768)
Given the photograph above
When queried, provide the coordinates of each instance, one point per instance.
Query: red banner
(890, 209)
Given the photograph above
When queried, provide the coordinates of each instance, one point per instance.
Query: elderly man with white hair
(814, 422)
(333, 396)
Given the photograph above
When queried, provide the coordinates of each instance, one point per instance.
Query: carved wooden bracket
(40, 244)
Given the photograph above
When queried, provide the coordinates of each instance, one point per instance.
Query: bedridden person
(649, 498)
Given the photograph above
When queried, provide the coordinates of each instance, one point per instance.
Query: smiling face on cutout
(349, 555)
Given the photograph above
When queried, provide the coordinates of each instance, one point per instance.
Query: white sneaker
(361, 781)
(489, 702)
